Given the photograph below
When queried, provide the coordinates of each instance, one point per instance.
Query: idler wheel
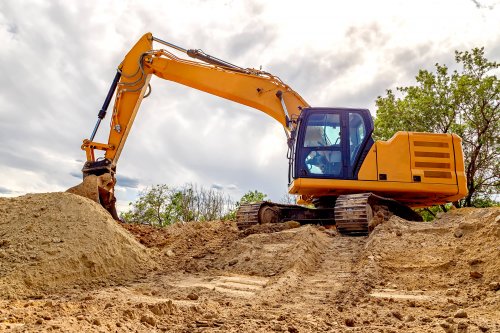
(268, 214)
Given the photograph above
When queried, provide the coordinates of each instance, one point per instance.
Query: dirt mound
(271, 254)
(453, 261)
(187, 247)
(476, 233)
(55, 240)
(185, 236)
(266, 250)
(404, 277)
(461, 246)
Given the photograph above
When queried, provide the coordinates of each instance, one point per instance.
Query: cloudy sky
(57, 59)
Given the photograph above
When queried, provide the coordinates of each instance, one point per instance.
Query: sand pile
(272, 254)
(199, 246)
(460, 251)
(442, 276)
(53, 241)
(189, 247)
(185, 236)
(477, 236)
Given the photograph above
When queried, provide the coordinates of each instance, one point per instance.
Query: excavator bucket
(98, 189)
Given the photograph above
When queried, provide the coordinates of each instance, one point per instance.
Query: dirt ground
(65, 265)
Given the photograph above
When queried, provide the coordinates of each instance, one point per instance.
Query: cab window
(323, 130)
(322, 145)
(357, 133)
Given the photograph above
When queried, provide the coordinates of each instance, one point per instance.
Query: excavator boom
(254, 88)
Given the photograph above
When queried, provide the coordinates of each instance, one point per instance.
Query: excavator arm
(254, 88)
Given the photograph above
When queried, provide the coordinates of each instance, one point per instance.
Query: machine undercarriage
(352, 214)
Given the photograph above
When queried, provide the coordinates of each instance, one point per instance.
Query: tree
(252, 196)
(200, 204)
(465, 103)
(161, 205)
(249, 197)
(288, 199)
(152, 207)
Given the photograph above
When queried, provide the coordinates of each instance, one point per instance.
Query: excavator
(340, 175)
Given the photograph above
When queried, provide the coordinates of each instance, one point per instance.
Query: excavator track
(353, 214)
(248, 215)
(263, 212)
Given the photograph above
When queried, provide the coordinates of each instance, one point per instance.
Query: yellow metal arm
(250, 87)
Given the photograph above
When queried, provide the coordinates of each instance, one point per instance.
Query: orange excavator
(340, 174)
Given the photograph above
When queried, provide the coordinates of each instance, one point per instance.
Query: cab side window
(357, 133)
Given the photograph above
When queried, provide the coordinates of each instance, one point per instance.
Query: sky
(58, 58)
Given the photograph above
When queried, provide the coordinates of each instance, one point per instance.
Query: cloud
(252, 37)
(367, 36)
(308, 72)
(476, 3)
(482, 5)
(4, 190)
(220, 187)
(124, 181)
(13, 29)
(76, 174)
(58, 59)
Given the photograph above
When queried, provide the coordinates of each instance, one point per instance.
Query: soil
(66, 265)
(55, 241)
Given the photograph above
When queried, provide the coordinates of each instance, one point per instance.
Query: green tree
(152, 207)
(161, 205)
(249, 197)
(252, 196)
(465, 103)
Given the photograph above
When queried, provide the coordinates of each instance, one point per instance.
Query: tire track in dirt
(339, 269)
(335, 275)
(326, 290)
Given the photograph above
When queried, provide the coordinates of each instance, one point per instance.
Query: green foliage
(161, 205)
(430, 213)
(466, 103)
(249, 197)
(485, 202)
(252, 196)
(152, 207)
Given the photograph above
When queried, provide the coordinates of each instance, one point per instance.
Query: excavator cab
(330, 143)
